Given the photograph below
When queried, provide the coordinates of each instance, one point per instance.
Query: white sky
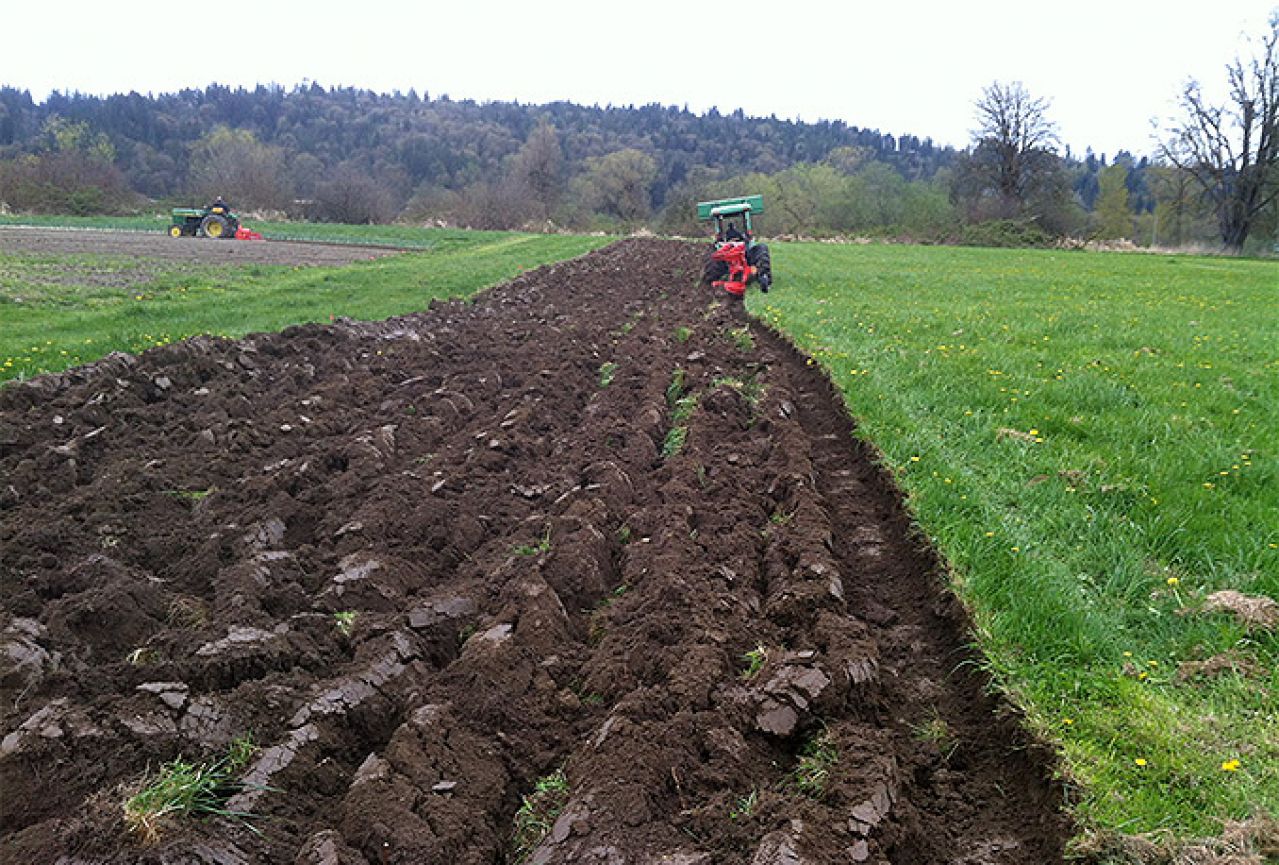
(1108, 66)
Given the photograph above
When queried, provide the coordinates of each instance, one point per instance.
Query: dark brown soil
(535, 587)
(158, 246)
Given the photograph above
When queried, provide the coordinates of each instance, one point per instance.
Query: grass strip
(1092, 441)
(53, 319)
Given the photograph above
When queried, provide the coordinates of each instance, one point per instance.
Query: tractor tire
(175, 231)
(216, 227)
(714, 270)
(758, 257)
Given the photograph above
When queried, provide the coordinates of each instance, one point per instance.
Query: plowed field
(159, 246)
(679, 580)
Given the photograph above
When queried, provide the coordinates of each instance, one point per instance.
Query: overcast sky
(899, 67)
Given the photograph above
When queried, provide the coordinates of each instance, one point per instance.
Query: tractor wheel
(714, 270)
(757, 257)
(175, 231)
(216, 227)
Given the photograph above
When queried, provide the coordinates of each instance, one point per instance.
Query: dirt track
(535, 587)
(157, 245)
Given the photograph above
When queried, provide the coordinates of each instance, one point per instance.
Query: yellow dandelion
(1173, 581)
(1140, 761)
(1230, 766)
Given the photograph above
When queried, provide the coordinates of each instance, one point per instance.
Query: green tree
(619, 185)
(1114, 217)
(70, 136)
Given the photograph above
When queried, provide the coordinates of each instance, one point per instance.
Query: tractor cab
(736, 258)
(732, 216)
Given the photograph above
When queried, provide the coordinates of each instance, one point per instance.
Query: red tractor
(736, 259)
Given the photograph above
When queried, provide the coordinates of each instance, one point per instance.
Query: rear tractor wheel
(758, 257)
(215, 226)
(714, 270)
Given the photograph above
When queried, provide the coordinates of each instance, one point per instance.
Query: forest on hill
(349, 155)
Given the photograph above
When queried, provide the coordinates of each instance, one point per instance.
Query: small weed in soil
(624, 535)
(816, 759)
(755, 660)
(675, 389)
(607, 371)
(741, 337)
(187, 789)
(542, 546)
(189, 495)
(937, 732)
(143, 656)
(674, 442)
(345, 622)
(538, 814)
(683, 408)
(683, 333)
(186, 612)
(744, 807)
(749, 387)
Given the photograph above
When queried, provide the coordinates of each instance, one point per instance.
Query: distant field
(1093, 442)
(406, 236)
(58, 311)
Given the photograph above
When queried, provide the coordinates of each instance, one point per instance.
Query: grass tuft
(818, 756)
(674, 441)
(538, 813)
(182, 789)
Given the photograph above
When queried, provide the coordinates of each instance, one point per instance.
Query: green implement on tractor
(217, 222)
(736, 258)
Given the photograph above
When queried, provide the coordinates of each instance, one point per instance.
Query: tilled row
(590, 570)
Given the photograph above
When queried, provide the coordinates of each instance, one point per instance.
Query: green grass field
(1093, 442)
(62, 311)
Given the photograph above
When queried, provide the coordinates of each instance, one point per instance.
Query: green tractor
(216, 221)
(736, 258)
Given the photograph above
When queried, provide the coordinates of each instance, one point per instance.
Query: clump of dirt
(1242, 842)
(1252, 611)
(1219, 665)
(429, 563)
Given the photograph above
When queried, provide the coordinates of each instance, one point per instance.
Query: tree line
(351, 155)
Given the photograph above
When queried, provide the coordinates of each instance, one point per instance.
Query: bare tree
(351, 196)
(538, 168)
(1232, 149)
(1016, 136)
